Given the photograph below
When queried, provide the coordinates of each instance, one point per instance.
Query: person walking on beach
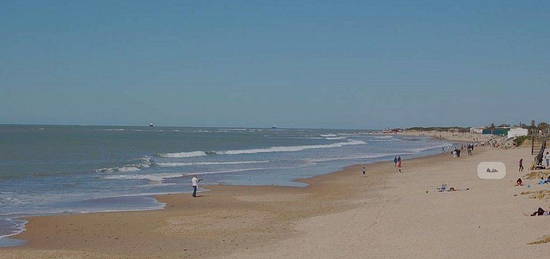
(364, 171)
(395, 161)
(547, 157)
(399, 165)
(195, 182)
(470, 149)
(521, 165)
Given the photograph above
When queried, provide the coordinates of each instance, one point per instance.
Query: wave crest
(183, 154)
(261, 150)
(176, 164)
(144, 162)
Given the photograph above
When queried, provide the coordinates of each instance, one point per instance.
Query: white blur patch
(491, 170)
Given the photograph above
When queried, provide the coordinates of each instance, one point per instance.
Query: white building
(476, 130)
(516, 132)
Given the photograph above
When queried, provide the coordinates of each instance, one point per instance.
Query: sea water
(77, 169)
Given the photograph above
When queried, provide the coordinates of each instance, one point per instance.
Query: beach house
(517, 132)
(476, 130)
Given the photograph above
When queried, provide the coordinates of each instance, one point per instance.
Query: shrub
(519, 140)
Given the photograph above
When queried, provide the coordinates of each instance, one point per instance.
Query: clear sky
(333, 64)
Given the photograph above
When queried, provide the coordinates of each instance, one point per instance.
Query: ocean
(78, 169)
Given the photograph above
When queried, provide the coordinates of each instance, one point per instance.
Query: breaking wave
(261, 150)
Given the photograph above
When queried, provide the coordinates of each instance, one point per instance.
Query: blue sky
(330, 64)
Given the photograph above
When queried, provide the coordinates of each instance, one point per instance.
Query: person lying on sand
(443, 188)
(540, 212)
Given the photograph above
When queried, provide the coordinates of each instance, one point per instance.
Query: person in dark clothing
(195, 183)
(538, 212)
(519, 182)
(521, 165)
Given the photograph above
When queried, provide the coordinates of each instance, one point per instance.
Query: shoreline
(13, 238)
(209, 188)
(30, 238)
(255, 221)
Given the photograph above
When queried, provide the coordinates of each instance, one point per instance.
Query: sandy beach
(339, 215)
(308, 129)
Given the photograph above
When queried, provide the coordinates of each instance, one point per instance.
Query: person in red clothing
(399, 165)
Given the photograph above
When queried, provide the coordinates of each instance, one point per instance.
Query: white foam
(290, 148)
(145, 162)
(262, 150)
(234, 171)
(161, 177)
(334, 138)
(349, 134)
(150, 177)
(349, 157)
(421, 149)
(183, 154)
(176, 164)
(128, 169)
(10, 200)
(19, 226)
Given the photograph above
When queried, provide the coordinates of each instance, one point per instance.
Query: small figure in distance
(519, 182)
(539, 212)
(521, 165)
(195, 183)
(399, 165)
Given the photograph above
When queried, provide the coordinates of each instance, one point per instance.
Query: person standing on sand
(364, 171)
(399, 164)
(547, 157)
(521, 165)
(395, 161)
(195, 182)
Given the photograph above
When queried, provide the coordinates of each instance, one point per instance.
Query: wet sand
(343, 214)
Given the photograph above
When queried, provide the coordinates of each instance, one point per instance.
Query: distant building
(476, 130)
(496, 131)
(517, 132)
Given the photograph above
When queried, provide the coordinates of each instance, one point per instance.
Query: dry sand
(343, 214)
